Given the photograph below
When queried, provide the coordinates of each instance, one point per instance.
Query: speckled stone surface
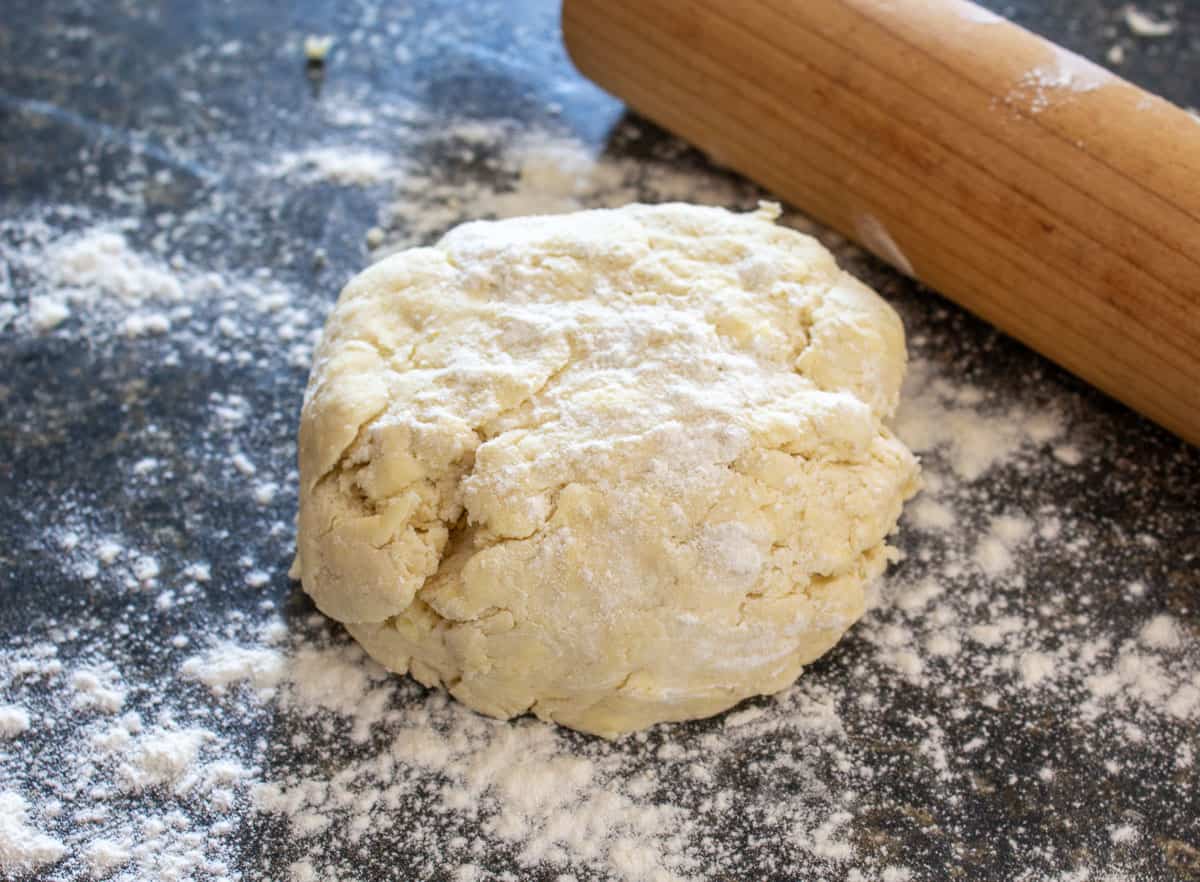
(97, 98)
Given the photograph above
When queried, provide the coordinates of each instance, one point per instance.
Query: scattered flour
(145, 568)
(47, 313)
(929, 514)
(264, 492)
(226, 664)
(1036, 667)
(99, 262)
(341, 165)
(103, 856)
(1142, 25)
(152, 760)
(994, 553)
(108, 550)
(1161, 632)
(1068, 454)
(145, 324)
(376, 765)
(94, 285)
(13, 720)
(933, 416)
(163, 757)
(539, 174)
(22, 848)
(98, 688)
(1068, 75)
(1123, 834)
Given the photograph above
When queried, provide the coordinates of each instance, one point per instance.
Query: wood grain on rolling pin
(1033, 187)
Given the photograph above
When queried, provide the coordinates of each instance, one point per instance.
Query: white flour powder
(353, 166)
(539, 174)
(1057, 81)
(13, 721)
(1143, 25)
(126, 757)
(23, 848)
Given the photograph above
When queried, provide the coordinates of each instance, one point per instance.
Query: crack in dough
(614, 468)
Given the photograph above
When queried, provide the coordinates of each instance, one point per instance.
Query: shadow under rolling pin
(1027, 184)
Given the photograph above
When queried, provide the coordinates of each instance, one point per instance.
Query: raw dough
(614, 467)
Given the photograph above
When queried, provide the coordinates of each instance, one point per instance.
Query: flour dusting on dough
(612, 468)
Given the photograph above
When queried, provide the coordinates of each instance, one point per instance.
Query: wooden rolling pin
(1034, 188)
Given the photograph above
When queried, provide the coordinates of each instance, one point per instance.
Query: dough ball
(611, 468)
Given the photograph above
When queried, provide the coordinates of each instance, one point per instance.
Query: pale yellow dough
(612, 468)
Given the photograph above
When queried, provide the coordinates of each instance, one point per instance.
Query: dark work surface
(162, 116)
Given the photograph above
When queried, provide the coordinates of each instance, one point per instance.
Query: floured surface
(1021, 703)
(279, 722)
